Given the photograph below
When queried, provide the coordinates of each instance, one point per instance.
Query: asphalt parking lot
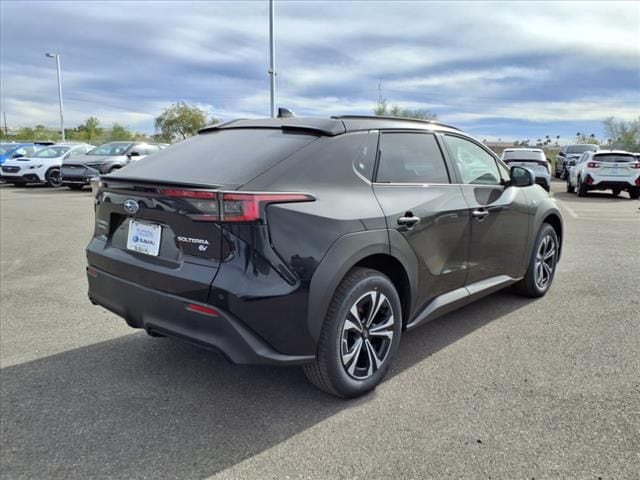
(507, 388)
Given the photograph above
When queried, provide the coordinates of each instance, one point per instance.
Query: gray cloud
(125, 61)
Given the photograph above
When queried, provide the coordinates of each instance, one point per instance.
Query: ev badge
(131, 206)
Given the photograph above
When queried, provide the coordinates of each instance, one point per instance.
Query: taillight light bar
(593, 165)
(232, 206)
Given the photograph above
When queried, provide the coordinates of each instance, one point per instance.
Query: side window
(475, 165)
(411, 158)
(21, 151)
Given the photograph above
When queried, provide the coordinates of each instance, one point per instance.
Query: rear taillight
(638, 181)
(593, 165)
(635, 165)
(232, 206)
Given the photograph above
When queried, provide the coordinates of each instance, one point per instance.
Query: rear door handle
(408, 221)
(480, 214)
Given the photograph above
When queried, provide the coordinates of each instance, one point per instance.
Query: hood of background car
(91, 159)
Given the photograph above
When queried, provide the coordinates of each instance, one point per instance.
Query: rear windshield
(110, 149)
(224, 157)
(581, 148)
(613, 157)
(522, 155)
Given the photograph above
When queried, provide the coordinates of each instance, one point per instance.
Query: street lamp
(57, 57)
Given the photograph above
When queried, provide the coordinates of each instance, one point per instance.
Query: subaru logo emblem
(131, 206)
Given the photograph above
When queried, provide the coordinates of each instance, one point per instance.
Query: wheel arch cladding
(555, 221)
(366, 248)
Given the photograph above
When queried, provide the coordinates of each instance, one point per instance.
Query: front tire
(52, 177)
(360, 335)
(542, 265)
(570, 188)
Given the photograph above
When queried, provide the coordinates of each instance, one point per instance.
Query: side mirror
(522, 177)
(133, 154)
(561, 154)
(17, 155)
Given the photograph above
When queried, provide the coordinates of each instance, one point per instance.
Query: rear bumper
(164, 313)
(603, 183)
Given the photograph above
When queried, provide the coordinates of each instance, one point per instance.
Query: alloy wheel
(545, 262)
(367, 335)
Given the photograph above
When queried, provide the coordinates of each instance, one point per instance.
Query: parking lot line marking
(568, 209)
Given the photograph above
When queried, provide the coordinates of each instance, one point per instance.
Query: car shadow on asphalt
(139, 407)
(42, 189)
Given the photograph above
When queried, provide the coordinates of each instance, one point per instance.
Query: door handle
(480, 214)
(408, 221)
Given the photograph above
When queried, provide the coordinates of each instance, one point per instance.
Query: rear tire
(356, 348)
(582, 188)
(542, 264)
(615, 192)
(634, 193)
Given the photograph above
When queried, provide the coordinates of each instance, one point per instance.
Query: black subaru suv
(316, 241)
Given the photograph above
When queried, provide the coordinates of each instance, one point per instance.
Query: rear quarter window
(232, 156)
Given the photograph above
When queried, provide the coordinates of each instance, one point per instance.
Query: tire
(557, 173)
(75, 187)
(338, 369)
(634, 193)
(539, 277)
(582, 188)
(615, 192)
(52, 177)
(570, 188)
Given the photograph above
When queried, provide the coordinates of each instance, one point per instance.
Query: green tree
(384, 110)
(180, 121)
(118, 132)
(89, 131)
(624, 135)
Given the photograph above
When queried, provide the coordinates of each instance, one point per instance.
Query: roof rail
(385, 117)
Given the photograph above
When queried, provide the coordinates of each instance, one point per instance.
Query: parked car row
(69, 164)
(614, 170)
(568, 156)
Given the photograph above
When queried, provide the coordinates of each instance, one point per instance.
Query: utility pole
(57, 57)
(272, 63)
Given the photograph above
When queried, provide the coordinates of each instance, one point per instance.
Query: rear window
(612, 157)
(581, 148)
(226, 157)
(411, 158)
(522, 155)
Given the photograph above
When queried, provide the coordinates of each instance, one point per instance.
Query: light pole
(272, 65)
(57, 57)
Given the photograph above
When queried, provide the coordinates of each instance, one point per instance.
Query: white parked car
(614, 170)
(532, 159)
(43, 166)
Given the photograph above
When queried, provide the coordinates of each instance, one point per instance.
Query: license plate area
(144, 238)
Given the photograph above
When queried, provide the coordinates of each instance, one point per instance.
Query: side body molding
(346, 252)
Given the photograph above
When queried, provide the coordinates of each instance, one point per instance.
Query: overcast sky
(509, 70)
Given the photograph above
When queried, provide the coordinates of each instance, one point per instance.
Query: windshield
(111, 149)
(51, 152)
(608, 157)
(523, 155)
(7, 148)
(581, 148)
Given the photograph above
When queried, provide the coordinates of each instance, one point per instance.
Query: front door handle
(408, 221)
(480, 214)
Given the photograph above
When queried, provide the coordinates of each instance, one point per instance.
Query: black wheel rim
(545, 262)
(367, 335)
(54, 178)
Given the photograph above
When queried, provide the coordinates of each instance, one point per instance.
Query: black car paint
(274, 281)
